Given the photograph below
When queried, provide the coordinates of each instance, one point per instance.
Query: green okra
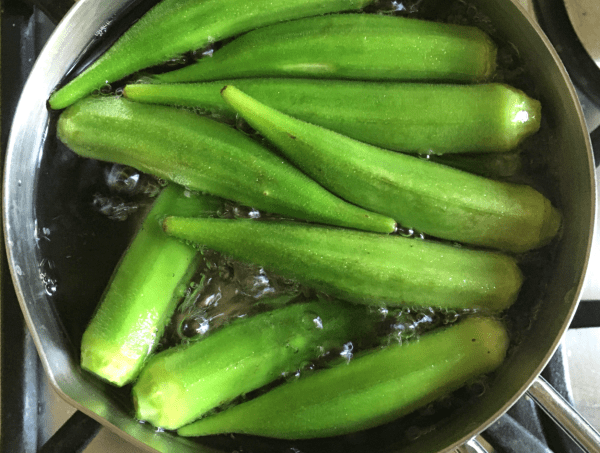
(174, 27)
(363, 267)
(204, 155)
(179, 385)
(351, 46)
(490, 165)
(425, 196)
(410, 117)
(143, 292)
(375, 388)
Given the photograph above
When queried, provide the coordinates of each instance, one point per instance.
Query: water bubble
(406, 232)
(423, 318)
(188, 328)
(114, 208)
(238, 212)
(477, 388)
(105, 90)
(310, 320)
(413, 433)
(123, 179)
(144, 79)
(203, 327)
(178, 60)
(403, 7)
(318, 322)
(399, 327)
(471, 11)
(383, 311)
(212, 299)
(347, 351)
(50, 286)
(398, 6)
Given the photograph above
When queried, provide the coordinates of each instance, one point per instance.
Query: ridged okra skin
(426, 196)
(143, 292)
(351, 46)
(181, 384)
(204, 155)
(371, 390)
(363, 267)
(174, 27)
(409, 117)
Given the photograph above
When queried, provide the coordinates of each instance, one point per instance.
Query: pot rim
(78, 28)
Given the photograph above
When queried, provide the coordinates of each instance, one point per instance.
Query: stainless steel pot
(53, 322)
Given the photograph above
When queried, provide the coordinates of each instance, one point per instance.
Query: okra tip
(179, 227)
(551, 223)
(56, 101)
(166, 224)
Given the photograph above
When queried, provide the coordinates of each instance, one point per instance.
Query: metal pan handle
(474, 445)
(560, 411)
(565, 416)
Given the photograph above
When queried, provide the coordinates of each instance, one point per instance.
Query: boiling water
(88, 212)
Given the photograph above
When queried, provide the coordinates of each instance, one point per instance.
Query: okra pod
(490, 165)
(363, 267)
(143, 292)
(351, 46)
(425, 196)
(174, 27)
(409, 117)
(181, 384)
(371, 390)
(207, 156)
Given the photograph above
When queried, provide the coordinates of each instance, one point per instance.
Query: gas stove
(31, 412)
